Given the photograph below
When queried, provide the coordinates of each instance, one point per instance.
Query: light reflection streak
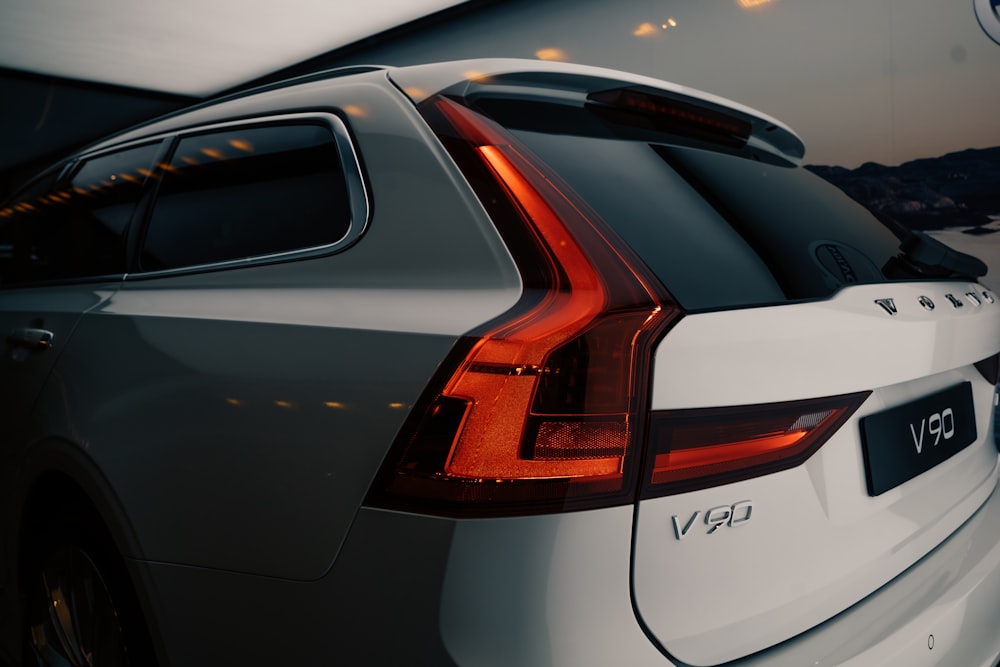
(551, 54)
(476, 76)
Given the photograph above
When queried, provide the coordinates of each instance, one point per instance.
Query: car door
(62, 253)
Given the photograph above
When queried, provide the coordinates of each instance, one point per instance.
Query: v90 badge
(729, 516)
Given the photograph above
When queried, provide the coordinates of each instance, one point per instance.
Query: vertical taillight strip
(544, 407)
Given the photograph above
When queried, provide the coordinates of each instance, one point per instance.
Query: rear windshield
(720, 228)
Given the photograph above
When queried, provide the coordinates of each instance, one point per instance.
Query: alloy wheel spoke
(76, 623)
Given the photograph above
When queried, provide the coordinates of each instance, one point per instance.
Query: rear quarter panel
(239, 415)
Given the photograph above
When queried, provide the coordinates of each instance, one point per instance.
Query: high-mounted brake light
(694, 449)
(636, 107)
(542, 408)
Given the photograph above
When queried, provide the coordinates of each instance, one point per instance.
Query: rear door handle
(32, 339)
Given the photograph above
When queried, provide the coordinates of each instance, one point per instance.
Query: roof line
(324, 60)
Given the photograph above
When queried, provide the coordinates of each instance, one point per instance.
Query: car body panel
(815, 541)
(227, 422)
(487, 612)
(941, 611)
(56, 309)
(388, 575)
(25, 368)
(766, 133)
(295, 376)
(835, 346)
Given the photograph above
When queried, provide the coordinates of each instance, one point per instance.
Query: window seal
(357, 193)
(65, 170)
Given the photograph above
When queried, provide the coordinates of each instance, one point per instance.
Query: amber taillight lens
(695, 449)
(541, 409)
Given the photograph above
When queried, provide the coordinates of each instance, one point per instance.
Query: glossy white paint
(547, 591)
(767, 133)
(841, 345)
(816, 543)
(225, 434)
(543, 591)
(951, 595)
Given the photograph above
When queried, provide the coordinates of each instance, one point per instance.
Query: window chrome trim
(357, 193)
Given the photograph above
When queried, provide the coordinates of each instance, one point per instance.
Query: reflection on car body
(549, 365)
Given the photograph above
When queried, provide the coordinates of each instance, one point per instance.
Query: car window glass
(689, 246)
(247, 192)
(721, 226)
(75, 228)
(815, 238)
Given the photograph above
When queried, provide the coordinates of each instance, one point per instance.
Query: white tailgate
(816, 541)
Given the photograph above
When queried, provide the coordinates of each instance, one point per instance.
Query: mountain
(957, 189)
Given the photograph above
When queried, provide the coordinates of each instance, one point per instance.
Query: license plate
(905, 441)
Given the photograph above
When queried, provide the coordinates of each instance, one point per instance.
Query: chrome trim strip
(356, 189)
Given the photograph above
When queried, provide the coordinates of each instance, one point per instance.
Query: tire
(80, 609)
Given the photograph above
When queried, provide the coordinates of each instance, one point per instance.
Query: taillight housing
(699, 448)
(541, 409)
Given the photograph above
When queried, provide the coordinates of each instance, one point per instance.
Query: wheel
(80, 610)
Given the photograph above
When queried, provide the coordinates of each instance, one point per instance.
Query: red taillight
(694, 449)
(542, 408)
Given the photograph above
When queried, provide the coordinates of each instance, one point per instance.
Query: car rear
(729, 414)
(605, 378)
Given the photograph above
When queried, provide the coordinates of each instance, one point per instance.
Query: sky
(860, 80)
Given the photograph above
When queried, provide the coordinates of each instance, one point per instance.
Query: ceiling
(72, 71)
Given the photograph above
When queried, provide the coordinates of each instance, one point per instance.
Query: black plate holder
(905, 441)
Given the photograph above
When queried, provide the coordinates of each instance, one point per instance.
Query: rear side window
(75, 228)
(247, 192)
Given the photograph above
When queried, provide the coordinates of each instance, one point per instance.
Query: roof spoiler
(679, 108)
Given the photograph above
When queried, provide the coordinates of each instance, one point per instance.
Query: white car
(486, 363)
